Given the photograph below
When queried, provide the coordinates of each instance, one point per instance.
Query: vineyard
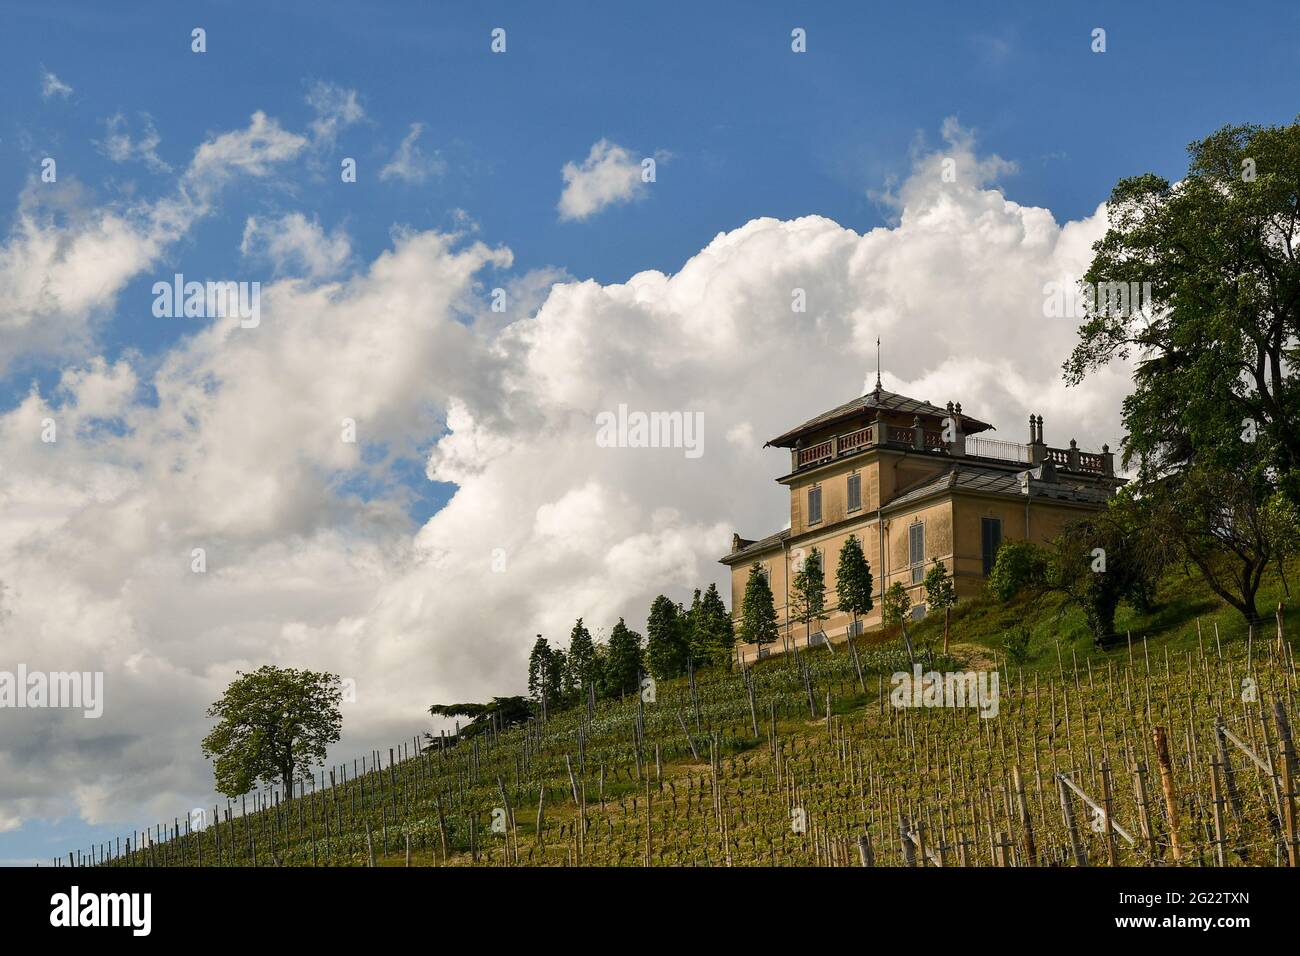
(1138, 757)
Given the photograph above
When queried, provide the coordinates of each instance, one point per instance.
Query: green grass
(853, 774)
(1054, 624)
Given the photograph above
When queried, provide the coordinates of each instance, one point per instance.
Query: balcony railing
(1069, 459)
(817, 452)
(999, 450)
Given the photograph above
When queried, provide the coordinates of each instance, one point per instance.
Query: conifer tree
(666, 641)
(808, 597)
(757, 609)
(624, 661)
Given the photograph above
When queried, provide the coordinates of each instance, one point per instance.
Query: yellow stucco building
(913, 482)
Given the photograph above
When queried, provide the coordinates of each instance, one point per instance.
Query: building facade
(913, 482)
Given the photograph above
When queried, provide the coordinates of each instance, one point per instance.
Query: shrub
(1019, 565)
(895, 605)
(1015, 644)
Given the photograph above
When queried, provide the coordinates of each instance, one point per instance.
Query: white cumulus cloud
(610, 174)
(312, 560)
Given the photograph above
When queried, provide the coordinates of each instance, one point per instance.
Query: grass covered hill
(805, 760)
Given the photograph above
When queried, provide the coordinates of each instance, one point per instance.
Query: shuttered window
(814, 505)
(855, 492)
(990, 541)
(916, 551)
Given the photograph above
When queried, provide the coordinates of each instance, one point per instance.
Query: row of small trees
(678, 639)
(853, 594)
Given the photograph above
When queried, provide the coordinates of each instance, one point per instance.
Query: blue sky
(743, 128)
(752, 128)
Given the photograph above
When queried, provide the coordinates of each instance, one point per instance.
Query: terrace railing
(1068, 459)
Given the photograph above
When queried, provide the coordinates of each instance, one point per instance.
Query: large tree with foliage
(1217, 520)
(666, 639)
(273, 723)
(624, 661)
(1104, 559)
(757, 609)
(1216, 353)
(808, 595)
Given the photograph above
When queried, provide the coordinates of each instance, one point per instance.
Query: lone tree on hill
(757, 609)
(273, 724)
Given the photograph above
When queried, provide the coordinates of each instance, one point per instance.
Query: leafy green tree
(624, 661)
(1282, 529)
(895, 605)
(1214, 519)
(666, 639)
(808, 596)
(757, 609)
(1217, 377)
(273, 723)
(940, 594)
(1101, 560)
(584, 666)
(1018, 566)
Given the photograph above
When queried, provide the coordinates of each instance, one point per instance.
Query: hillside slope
(802, 761)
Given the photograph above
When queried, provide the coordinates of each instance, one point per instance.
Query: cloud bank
(234, 442)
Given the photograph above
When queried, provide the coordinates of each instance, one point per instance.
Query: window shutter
(990, 541)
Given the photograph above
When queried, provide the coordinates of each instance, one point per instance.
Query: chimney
(1037, 449)
(956, 447)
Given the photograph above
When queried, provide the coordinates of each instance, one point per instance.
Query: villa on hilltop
(913, 482)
